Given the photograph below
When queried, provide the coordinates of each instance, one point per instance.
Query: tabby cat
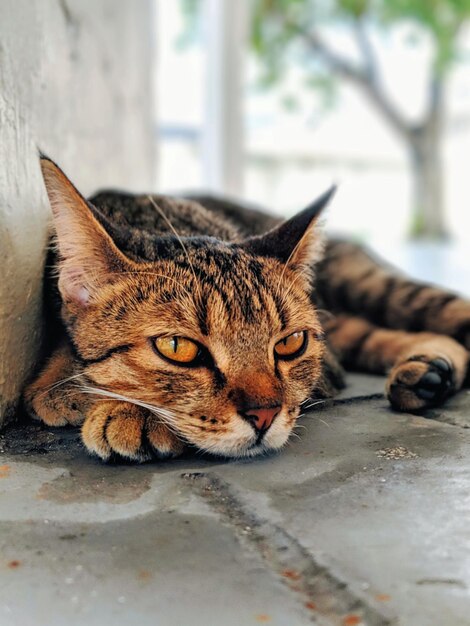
(179, 323)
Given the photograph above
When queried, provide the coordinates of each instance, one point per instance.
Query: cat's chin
(258, 450)
(272, 443)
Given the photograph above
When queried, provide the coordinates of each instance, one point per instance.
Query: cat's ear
(298, 241)
(88, 258)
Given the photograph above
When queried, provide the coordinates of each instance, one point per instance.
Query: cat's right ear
(298, 241)
(88, 257)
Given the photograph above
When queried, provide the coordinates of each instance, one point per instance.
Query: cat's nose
(261, 418)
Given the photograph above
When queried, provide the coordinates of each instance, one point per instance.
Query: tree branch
(366, 79)
(436, 89)
(367, 51)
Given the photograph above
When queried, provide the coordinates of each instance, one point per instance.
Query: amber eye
(177, 349)
(291, 346)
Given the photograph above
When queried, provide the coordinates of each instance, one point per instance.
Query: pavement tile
(363, 519)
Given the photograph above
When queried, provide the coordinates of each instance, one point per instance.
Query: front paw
(61, 406)
(124, 430)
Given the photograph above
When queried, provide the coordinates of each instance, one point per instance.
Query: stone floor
(364, 519)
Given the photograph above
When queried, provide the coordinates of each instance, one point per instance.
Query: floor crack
(352, 399)
(323, 595)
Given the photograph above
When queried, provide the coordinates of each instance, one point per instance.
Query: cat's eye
(177, 349)
(291, 346)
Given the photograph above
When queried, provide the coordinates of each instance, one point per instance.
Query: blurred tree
(283, 30)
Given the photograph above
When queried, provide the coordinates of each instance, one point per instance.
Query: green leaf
(290, 103)
(286, 20)
(192, 18)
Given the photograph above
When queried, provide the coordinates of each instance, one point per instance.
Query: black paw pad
(437, 383)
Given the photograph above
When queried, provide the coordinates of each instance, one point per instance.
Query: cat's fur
(132, 269)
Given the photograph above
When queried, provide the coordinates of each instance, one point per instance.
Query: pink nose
(262, 418)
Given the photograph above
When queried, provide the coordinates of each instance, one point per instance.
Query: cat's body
(233, 318)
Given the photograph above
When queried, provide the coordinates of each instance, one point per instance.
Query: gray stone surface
(364, 519)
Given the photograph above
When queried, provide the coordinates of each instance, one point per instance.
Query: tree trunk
(428, 219)
(424, 141)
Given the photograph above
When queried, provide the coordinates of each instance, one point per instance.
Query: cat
(200, 323)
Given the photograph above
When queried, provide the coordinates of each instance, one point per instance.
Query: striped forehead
(238, 288)
(209, 288)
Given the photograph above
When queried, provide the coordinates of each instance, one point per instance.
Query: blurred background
(273, 100)
(270, 101)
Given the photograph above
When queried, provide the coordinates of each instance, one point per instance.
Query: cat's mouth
(259, 438)
(258, 448)
(259, 442)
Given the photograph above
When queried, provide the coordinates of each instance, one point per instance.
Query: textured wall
(75, 80)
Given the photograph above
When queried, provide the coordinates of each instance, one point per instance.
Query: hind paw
(420, 382)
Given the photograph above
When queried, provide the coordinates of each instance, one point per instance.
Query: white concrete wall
(75, 80)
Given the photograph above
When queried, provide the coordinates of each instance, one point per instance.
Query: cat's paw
(59, 406)
(420, 382)
(114, 430)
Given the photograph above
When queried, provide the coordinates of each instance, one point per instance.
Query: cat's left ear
(88, 257)
(297, 241)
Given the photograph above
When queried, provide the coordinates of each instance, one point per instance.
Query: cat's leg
(423, 368)
(110, 428)
(352, 280)
(114, 429)
(54, 396)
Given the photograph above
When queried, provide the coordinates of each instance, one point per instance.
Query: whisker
(299, 274)
(312, 404)
(59, 383)
(296, 247)
(315, 417)
(164, 414)
(167, 220)
(145, 273)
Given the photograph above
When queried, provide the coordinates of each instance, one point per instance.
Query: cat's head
(221, 339)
